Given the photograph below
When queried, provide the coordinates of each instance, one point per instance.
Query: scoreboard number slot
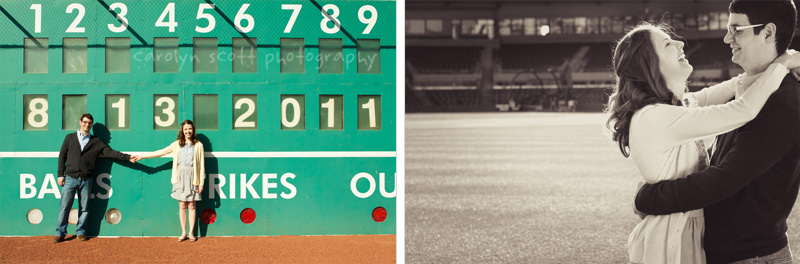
(35, 112)
(292, 112)
(369, 112)
(165, 112)
(330, 112)
(73, 106)
(245, 112)
(118, 111)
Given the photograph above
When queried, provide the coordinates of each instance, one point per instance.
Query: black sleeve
(109, 152)
(758, 146)
(62, 157)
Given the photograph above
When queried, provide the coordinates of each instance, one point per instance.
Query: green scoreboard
(294, 102)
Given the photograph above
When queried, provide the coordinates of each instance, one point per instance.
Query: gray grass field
(519, 188)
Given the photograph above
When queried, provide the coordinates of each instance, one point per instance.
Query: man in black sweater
(76, 160)
(750, 189)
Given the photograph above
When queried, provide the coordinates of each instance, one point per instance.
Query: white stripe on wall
(237, 154)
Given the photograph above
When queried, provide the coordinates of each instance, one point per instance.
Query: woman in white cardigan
(667, 132)
(188, 174)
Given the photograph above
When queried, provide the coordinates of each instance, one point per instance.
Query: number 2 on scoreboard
(245, 115)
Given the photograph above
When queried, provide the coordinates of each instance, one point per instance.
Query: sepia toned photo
(602, 132)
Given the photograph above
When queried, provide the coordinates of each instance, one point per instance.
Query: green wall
(308, 178)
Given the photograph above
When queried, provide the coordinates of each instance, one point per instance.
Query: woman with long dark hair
(188, 174)
(667, 131)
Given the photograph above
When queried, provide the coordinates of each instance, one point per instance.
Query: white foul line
(237, 154)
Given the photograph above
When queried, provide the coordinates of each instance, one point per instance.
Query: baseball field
(519, 188)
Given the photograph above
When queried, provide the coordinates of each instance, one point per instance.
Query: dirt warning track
(276, 249)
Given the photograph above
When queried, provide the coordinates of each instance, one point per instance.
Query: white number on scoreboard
(37, 117)
(168, 13)
(120, 106)
(369, 21)
(333, 18)
(329, 106)
(370, 105)
(167, 107)
(295, 105)
(37, 17)
(250, 105)
(74, 28)
(123, 10)
(211, 22)
(242, 16)
(295, 11)
(293, 116)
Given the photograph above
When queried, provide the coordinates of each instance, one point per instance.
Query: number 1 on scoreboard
(330, 112)
(118, 111)
(369, 112)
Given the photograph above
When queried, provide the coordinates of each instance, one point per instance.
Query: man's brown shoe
(82, 238)
(58, 239)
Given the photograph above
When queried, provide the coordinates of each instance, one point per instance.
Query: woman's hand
(796, 74)
(201, 189)
(790, 59)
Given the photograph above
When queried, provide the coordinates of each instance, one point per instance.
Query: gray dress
(184, 190)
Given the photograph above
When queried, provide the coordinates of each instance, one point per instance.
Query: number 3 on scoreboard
(165, 111)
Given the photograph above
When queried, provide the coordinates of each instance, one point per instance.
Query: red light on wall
(379, 214)
(248, 215)
(209, 216)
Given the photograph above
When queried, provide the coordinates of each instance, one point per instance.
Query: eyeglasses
(87, 122)
(734, 30)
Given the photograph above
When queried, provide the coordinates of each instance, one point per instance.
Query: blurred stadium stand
(430, 60)
(544, 55)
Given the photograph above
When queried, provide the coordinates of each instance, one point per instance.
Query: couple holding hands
(76, 165)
